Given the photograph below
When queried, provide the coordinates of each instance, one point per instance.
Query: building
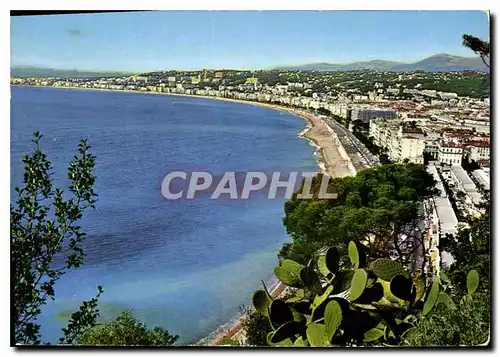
(399, 140)
(411, 144)
(482, 177)
(381, 131)
(462, 180)
(450, 153)
(478, 151)
(431, 139)
(366, 114)
(464, 183)
(196, 79)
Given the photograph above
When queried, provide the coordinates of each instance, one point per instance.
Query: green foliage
(125, 331)
(279, 313)
(370, 310)
(257, 328)
(261, 301)
(43, 225)
(322, 268)
(228, 342)
(85, 317)
(333, 318)
(386, 268)
(358, 283)
(431, 297)
(467, 324)
(402, 288)
(471, 251)
(472, 281)
(310, 279)
(373, 334)
(480, 47)
(372, 208)
(356, 255)
(316, 335)
(445, 299)
(332, 260)
(288, 272)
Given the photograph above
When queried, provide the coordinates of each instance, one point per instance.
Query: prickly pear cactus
(375, 304)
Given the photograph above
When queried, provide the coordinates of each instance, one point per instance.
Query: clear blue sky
(228, 39)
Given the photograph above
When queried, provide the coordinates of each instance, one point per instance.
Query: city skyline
(190, 40)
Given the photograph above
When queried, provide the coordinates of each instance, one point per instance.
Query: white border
(197, 5)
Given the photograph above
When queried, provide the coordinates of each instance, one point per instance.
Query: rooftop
(463, 177)
(431, 169)
(478, 143)
(447, 218)
(451, 144)
(483, 177)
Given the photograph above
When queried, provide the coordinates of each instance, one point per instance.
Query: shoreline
(327, 156)
(316, 131)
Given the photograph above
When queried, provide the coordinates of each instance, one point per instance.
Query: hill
(440, 62)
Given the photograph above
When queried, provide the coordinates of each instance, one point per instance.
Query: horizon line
(228, 69)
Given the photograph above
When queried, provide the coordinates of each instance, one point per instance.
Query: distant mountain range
(53, 72)
(440, 62)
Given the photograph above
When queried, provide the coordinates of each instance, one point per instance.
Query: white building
(479, 151)
(450, 153)
(431, 140)
(464, 183)
(401, 142)
(482, 176)
(411, 145)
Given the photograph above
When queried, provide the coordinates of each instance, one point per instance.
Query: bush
(125, 331)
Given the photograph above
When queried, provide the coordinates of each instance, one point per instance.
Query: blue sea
(184, 265)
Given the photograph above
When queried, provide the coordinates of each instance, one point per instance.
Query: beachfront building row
(400, 141)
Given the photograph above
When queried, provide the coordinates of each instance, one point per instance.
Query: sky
(146, 41)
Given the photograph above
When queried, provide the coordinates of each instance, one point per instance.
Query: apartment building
(479, 151)
(399, 140)
(450, 152)
(411, 144)
(431, 140)
(366, 114)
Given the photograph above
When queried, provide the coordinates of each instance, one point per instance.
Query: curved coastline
(316, 131)
(327, 157)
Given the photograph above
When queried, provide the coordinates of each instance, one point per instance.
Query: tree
(374, 207)
(480, 47)
(46, 240)
(125, 331)
(466, 325)
(256, 327)
(470, 249)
